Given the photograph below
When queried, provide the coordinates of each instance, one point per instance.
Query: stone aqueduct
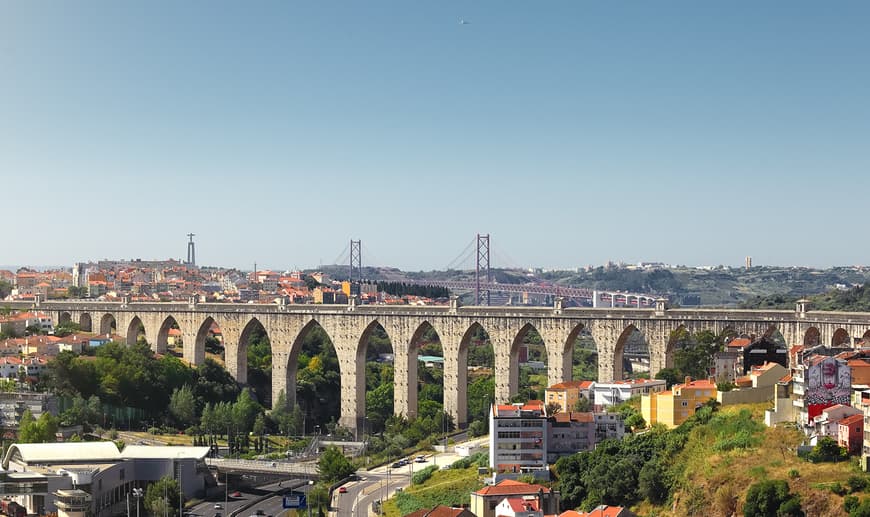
(349, 326)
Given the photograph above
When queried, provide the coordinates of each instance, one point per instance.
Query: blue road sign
(295, 500)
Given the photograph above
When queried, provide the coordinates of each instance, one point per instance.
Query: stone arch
(415, 385)
(201, 336)
(774, 334)
(85, 322)
(64, 318)
(108, 324)
(516, 345)
(866, 338)
(252, 327)
(841, 337)
(361, 365)
(568, 350)
(462, 374)
(134, 330)
(161, 344)
(619, 349)
(676, 336)
(314, 401)
(812, 337)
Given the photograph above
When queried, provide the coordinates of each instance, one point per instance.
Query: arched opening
(631, 359)
(376, 359)
(64, 319)
(583, 355)
(85, 322)
(580, 364)
(691, 354)
(210, 340)
(108, 325)
(771, 347)
(841, 338)
(314, 379)
(476, 370)
(426, 373)
(812, 337)
(865, 339)
(136, 332)
(528, 365)
(255, 358)
(169, 338)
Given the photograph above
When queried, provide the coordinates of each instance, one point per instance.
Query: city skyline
(573, 133)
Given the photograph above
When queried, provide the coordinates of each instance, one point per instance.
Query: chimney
(688, 379)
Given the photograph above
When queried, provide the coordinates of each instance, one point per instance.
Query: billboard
(828, 382)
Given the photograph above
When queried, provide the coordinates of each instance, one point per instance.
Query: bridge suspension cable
(465, 256)
(342, 257)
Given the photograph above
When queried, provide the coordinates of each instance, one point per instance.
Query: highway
(382, 483)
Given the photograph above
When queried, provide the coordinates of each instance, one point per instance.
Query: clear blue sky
(573, 132)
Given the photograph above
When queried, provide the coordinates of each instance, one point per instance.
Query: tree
(162, 496)
(635, 421)
(651, 482)
(827, 449)
(182, 406)
(318, 497)
(552, 408)
(333, 465)
(771, 498)
(43, 430)
(670, 375)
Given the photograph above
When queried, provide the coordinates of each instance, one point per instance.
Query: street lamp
(137, 494)
(308, 503)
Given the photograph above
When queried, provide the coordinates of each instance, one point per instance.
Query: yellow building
(566, 394)
(674, 407)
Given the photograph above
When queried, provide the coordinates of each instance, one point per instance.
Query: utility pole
(481, 268)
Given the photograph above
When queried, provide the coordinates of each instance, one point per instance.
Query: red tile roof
(510, 487)
(601, 511)
(570, 385)
(739, 342)
(849, 420)
(563, 417)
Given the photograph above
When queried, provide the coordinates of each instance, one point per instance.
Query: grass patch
(451, 487)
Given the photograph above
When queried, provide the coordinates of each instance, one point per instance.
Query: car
(342, 490)
(354, 477)
(396, 465)
(421, 459)
(218, 506)
(236, 494)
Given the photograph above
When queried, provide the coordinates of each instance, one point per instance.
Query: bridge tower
(191, 251)
(355, 265)
(482, 269)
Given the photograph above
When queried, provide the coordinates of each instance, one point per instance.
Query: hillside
(713, 476)
(705, 468)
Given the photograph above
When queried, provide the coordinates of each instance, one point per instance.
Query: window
(684, 403)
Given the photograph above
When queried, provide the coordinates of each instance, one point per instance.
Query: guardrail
(282, 467)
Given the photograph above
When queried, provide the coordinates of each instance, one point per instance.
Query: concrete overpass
(349, 327)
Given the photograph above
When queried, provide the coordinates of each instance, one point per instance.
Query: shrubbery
(421, 476)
